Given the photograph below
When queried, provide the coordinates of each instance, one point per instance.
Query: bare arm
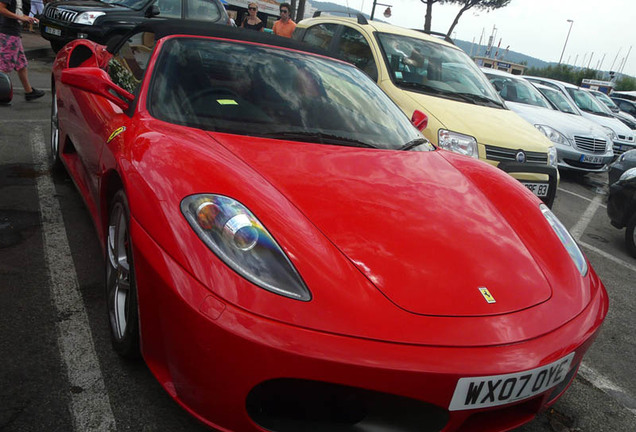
(6, 12)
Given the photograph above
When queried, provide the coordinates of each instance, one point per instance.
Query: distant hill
(511, 56)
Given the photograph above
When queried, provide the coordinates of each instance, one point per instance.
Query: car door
(102, 120)
(343, 42)
(352, 46)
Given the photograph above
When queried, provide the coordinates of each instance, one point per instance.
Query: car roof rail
(438, 34)
(361, 18)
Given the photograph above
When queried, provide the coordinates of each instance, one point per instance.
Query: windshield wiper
(471, 97)
(319, 137)
(413, 143)
(420, 86)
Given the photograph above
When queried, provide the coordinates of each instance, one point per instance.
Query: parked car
(101, 21)
(626, 105)
(581, 144)
(589, 107)
(621, 204)
(289, 253)
(625, 117)
(425, 73)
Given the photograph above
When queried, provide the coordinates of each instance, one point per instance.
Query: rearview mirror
(95, 80)
(419, 120)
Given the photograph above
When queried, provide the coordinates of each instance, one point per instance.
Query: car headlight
(237, 237)
(610, 133)
(553, 135)
(458, 143)
(88, 18)
(552, 156)
(566, 239)
(628, 175)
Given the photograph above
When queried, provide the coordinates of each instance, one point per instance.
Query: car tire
(56, 163)
(630, 236)
(121, 288)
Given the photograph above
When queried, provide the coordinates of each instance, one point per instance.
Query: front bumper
(572, 159)
(237, 371)
(621, 147)
(520, 171)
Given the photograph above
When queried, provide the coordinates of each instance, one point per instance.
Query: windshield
(254, 90)
(586, 102)
(559, 100)
(436, 69)
(518, 90)
(606, 100)
(133, 4)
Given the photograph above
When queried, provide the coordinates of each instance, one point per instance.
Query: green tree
(626, 83)
(565, 73)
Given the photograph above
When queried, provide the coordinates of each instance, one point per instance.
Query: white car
(581, 144)
(626, 118)
(588, 106)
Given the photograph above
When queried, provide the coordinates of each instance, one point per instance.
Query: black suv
(65, 20)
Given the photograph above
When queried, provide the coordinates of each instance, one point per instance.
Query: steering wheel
(204, 94)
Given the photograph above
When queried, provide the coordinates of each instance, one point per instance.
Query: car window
(169, 8)
(627, 107)
(354, 48)
(516, 90)
(586, 101)
(559, 100)
(605, 99)
(436, 69)
(203, 10)
(127, 66)
(255, 90)
(320, 35)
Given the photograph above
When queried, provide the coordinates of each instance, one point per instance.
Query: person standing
(251, 21)
(37, 7)
(285, 25)
(11, 50)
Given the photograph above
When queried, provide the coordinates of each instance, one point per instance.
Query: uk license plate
(539, 189)
(53, 31)
(591, 159)
(495, 390)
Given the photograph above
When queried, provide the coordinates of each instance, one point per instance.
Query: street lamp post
(387, 12)
(566, 40)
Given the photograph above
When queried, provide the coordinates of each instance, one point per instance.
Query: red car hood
(419, 229)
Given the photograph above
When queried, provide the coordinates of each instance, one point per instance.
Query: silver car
(581, 144)
(588, 106)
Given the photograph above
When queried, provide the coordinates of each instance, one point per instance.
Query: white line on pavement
(90, 405)
(610, 257)
(578, 229)
(579, 196)
(606, 386)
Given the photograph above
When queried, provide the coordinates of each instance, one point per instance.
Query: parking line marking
(580, 196)
(608, 256)
(90, 404)
(608, 387)
(579, 228)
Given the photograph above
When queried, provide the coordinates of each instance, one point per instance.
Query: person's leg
(24, 79)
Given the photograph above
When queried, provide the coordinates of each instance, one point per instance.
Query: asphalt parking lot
(78, 383)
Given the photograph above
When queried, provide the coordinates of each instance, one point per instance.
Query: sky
(601, 36)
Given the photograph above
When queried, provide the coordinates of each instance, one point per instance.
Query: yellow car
(425, 73)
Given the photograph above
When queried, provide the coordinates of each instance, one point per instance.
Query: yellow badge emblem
(115, 133)
(484, 292)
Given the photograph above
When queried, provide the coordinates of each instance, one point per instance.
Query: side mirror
(419, 120)
(152, 11)
(95, 80)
